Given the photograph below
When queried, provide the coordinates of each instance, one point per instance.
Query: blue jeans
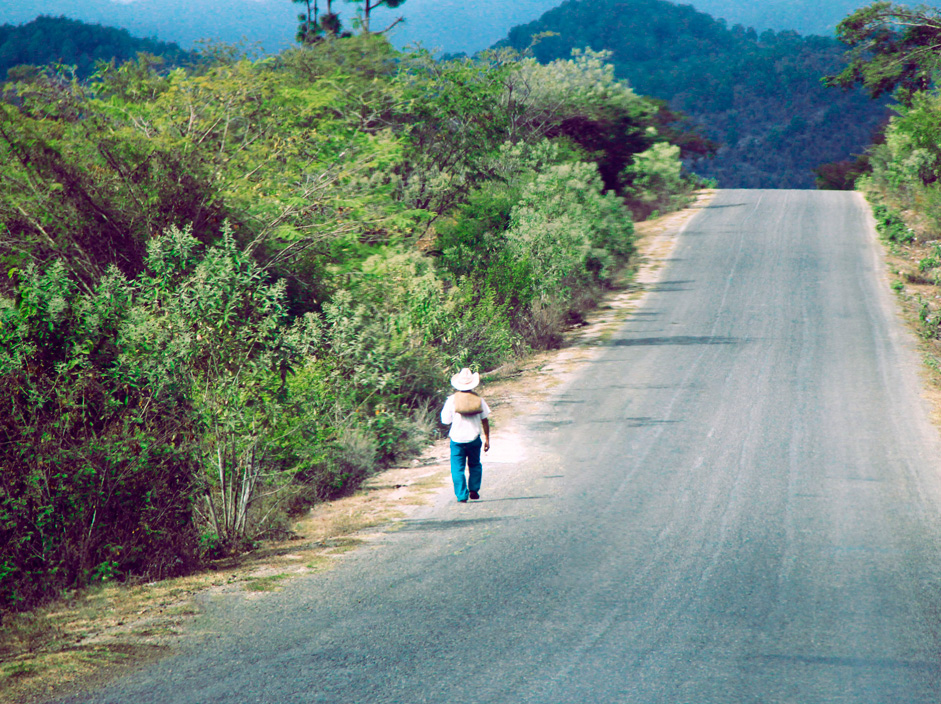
(466, 453)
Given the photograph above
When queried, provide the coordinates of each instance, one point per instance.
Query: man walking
(467, 414)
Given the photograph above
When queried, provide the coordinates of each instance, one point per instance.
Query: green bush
(97, 474)
(655, 182)
(210, 329)
(473, 239)
(534, 247)
(928, 263)
(906, 167)
(930, 321)
(567, 231)
(891, 226)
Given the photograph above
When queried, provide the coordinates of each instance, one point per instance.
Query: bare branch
(383, 31)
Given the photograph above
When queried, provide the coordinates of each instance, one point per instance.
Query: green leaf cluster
(905, 166)
(96, 470)
(893, 49)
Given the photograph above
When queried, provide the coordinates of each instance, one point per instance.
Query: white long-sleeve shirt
(463, 428)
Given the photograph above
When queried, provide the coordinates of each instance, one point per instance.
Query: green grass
(19, 669)
(265, 584)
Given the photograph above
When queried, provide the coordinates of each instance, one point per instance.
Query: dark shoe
(474, 495)
(462, 501)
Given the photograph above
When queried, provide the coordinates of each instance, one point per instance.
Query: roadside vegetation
(234, 290)
(893, 52)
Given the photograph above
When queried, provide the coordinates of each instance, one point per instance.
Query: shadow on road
(512, 498)
(640, 422)
(427, 524)
(633, 422)
(681, 340)
(549, 424)
(670, 286)
(867, 664)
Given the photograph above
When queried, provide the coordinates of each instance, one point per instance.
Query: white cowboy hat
(465, 380)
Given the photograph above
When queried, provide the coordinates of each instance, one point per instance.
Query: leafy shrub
(381, 331)
(841, 175)
(581, 100)
(567, 231)
(97, 474)
(930, 321)
(583, 87)
(483, 333)
(655, 180)
(473, 240)
(928, 263)
(210, 329)
(906, 164)
(891, 226)
(530, 247)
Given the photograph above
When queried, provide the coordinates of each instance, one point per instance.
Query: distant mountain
(48, 40)
(760, 96)
(803, 16)
(268, 23)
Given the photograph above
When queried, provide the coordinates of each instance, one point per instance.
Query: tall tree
(313, 26)
(308, 30)
(370, 5)
(892, 48)
(330, 21)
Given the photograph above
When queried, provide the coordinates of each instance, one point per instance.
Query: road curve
(737, 502)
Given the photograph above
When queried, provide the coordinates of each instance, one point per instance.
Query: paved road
(738, 502)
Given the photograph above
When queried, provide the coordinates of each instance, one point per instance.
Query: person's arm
(485, 424)
(447, 413)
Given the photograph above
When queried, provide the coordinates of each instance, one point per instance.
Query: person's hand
(486, 444)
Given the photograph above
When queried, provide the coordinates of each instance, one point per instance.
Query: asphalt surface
(737, 501)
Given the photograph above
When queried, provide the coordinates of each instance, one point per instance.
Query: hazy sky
(464, 25)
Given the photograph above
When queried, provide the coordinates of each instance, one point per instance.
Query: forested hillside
(804, 16)
(759, 96)
(49, 40)
(233, 289)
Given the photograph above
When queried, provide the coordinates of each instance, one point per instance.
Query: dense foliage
(905, 167)
(49, 40)
(759, 96)
(893, 48)
(232, 290)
